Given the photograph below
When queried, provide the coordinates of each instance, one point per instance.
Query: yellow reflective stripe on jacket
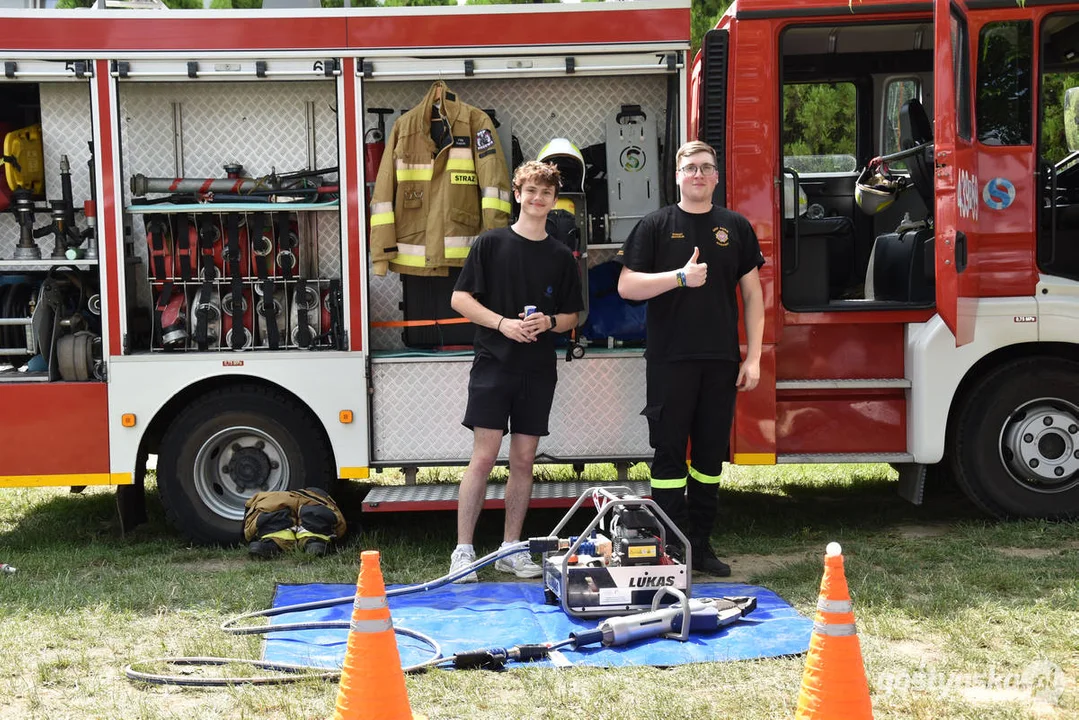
(702, 478)
(495, 199)
(457, 246)
(411, 255)
(283, 534)
(414, 171)
(416, 175)
(465, 164)
(385, 218)
(667, 484)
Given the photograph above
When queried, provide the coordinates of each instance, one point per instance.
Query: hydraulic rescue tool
(619, 563)
(303, 185)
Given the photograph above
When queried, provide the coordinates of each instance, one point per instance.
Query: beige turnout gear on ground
(430, 202)
(293, 517)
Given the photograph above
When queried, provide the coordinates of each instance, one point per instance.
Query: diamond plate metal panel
(417, 409)
(447, 492)
(263, 127)
(538, 109)
(385, 295)
(66, 130)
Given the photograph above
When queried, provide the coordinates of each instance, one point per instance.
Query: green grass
(952, 607)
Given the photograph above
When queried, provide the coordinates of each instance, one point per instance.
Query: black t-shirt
(693, 323)
(505, 272)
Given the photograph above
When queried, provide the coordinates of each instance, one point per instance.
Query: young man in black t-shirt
(686, 260)
(513, 377)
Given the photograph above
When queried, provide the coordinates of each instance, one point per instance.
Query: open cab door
(956, 169)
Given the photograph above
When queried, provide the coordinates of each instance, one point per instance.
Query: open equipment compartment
(268, 226)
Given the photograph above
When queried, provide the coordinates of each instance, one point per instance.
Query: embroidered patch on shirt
(677, 236)
(722, 237)
(462, 178)
(459, 141)
(484, 140)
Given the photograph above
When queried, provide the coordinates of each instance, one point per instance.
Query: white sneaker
(520, 564)
(459, 560)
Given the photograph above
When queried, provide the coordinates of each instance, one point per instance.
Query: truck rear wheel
(229, 445)
(1017, 440)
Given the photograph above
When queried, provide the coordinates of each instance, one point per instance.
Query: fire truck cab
(911, 169)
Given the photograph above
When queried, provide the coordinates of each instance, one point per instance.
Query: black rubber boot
(705, 561)
(264, 549)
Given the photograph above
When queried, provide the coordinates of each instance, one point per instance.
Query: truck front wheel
(1017, 440)
(228, 445)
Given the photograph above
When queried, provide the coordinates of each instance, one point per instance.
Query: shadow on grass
(75, 554)
(769, 519)
(866, 505)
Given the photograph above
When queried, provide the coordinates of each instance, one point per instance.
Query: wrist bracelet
(553, 321)
(681, 276)
(498, 327)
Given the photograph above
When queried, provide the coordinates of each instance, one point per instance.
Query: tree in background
(516, 2)
(704, 14)
(818, 119)
(417, 3)
(170, 4)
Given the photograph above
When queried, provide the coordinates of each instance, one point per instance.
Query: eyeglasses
(705, 170)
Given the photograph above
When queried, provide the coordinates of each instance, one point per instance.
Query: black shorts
(501, 399)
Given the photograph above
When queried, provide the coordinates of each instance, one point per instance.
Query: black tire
(1017, 440)
(201, 496)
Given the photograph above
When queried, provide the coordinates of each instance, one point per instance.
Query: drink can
(529, 309)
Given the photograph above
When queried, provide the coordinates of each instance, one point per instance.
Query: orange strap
(420, 323)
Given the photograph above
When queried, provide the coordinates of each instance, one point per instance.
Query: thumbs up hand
(696, 273)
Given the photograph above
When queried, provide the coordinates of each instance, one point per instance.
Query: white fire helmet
(875, 189)
(565, 156)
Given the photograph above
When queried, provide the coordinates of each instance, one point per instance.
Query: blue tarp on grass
(468, 617)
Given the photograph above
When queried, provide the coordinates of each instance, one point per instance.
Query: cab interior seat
(902, 266)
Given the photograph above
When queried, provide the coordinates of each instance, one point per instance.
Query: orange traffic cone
(834, 683)
(372, 683)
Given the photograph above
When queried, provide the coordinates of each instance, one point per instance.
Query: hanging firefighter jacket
(442, 181)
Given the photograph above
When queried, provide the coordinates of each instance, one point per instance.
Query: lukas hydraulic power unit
(619, 561)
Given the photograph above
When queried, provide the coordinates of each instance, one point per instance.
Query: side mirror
(1071, 118)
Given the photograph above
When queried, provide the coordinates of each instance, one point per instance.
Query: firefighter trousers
(690, 402)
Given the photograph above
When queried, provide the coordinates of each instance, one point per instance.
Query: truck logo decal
(967, 195)
(998, 193)
(632, 159)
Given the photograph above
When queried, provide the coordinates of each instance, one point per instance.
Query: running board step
(862, 384)
(443, 496)
(14, 376)
(859, 458)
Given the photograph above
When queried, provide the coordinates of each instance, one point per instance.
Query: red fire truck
(923, 304)
(224, 157)
(184, 268)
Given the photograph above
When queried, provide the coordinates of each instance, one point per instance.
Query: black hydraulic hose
(298, 673)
